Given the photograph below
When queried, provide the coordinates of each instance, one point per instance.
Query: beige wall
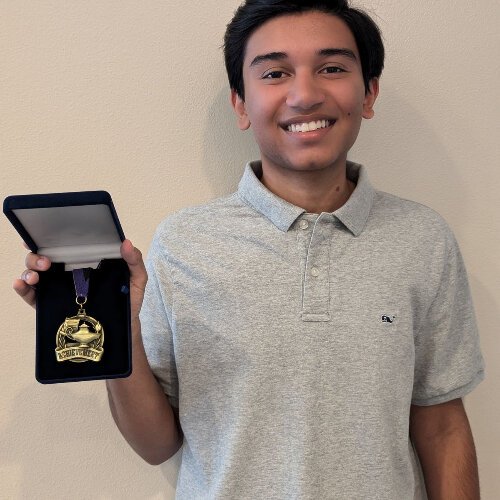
(130, 96)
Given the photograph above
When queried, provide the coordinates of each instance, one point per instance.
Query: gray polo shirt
(294, 343)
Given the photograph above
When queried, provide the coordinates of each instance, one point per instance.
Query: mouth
(311, 126)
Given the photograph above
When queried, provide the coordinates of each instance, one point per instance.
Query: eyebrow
(338, 52)
(279, 56)
(272, 56)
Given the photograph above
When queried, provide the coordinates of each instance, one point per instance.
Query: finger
(30, 277)
(25, 291)
(133, 257)
(37, 262)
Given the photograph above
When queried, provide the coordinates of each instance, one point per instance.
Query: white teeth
(308, 127)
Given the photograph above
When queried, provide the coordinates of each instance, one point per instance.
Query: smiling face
(304, 92)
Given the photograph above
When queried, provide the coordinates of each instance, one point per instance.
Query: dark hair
(253, 13)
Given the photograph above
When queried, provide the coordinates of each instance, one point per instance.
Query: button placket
(303, 233)
(316, 279)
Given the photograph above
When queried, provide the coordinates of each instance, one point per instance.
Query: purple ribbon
(81, 283)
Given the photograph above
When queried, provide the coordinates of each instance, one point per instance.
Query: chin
(311, 165)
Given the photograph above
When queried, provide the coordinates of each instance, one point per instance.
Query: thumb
(133, 257)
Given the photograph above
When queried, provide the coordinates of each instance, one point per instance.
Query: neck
(315, 191)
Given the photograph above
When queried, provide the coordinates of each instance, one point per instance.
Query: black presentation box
(77, 230)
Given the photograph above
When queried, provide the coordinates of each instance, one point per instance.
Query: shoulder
(200, 224)
(410, 232)
(189, 218)
(408, 211)
(410, 220)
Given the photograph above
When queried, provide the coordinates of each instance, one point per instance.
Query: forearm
(141, 409)
(449, 465)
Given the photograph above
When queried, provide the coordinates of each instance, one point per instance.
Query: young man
(295, 335)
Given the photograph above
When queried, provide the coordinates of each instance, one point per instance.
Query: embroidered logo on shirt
(388, 319)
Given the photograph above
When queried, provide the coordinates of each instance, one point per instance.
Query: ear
(239, 108)
(370, 98)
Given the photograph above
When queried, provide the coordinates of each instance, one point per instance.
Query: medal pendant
(79, 339)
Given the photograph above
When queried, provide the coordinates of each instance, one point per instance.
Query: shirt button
(303, 224)
(315, 271)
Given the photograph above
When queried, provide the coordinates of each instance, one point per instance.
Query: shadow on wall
(406, 157)
(487, 311)
(484, 412)
(69, 452)
(226, 149)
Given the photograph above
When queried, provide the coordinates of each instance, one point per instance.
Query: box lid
(79, 229)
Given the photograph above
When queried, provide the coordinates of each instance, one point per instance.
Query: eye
(273, 75)
(333, 69)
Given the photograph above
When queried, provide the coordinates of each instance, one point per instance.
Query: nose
(304, 92)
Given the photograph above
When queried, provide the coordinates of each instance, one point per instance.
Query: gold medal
(80, 338)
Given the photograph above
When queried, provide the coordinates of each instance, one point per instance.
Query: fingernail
(40, 262)
(26, 275)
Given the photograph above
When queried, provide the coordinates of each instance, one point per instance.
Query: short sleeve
(155, 316)
(448, 359)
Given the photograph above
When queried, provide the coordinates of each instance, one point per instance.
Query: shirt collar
(281, 213)
(353, 214)
(355, 211)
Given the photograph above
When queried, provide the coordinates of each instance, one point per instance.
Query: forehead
(300, 34)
